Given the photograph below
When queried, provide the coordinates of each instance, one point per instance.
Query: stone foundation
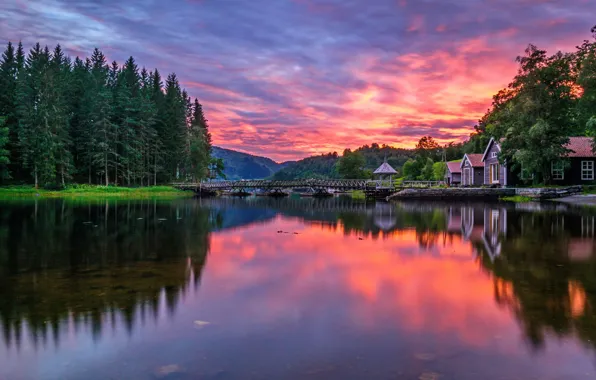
(471, 193)
(548, 193)
(453, 194)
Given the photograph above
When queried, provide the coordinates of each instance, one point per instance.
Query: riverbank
(87, 191)
(482, 193)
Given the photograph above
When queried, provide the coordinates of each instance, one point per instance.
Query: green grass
(89, 191)
(358, 194)
(517, 199)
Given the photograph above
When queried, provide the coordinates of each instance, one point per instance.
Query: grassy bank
(87, 191)
(517, 199)
(358, 194)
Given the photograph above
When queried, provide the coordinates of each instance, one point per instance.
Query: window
(494, 173)
(557, 170)
(587, 170)
(493, 154)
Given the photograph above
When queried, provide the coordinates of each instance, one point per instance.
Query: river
(265, 288)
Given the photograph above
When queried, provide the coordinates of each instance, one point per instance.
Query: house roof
(454, 166)
(580, 146)
(385, 168)
(490, 143)
(474, 158)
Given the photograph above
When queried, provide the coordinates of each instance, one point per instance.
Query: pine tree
(32, 109)
(173, 128)
(8, 84)
(59, 76)
(128, 109)
(4, 153)
(79, 108)
(156, 145)
(199, 143)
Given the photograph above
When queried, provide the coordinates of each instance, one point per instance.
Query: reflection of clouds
(443, 292)
(394, 70)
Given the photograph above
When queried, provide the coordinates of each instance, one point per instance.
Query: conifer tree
(8, 83)
(4, 153)
(87, 120)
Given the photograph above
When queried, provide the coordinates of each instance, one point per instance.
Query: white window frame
(493, 154)
(557, 171)
(495, 171)
(587, 170)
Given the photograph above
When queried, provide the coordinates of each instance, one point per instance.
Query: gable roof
(385, 168)
(454, 166)
(490, 143)
(580, 146)
(473, 158)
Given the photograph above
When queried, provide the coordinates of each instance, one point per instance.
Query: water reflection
(295, 288)
(65, 265)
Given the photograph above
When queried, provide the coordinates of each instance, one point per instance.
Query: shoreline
(87, 191)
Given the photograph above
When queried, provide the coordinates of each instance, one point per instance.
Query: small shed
(384, 175)
(453, 173)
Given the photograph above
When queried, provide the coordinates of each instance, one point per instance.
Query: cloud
(290, 78)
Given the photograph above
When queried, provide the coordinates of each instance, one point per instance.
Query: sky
(292, 78)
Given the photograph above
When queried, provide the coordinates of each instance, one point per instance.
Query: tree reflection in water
(64, 264)
(67, 265)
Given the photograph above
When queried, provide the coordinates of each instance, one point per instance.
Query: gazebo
(383, 172)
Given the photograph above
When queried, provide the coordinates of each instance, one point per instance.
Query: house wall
(453, 178)
(502, 169)
(476, 174)
(573, 174)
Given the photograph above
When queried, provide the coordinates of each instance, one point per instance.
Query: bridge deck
(339, 184)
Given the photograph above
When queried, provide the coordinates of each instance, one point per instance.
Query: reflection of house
(454, 221)
(583, 248)
(495, 227)
(472, 222)
(485, 226)
(472, 170)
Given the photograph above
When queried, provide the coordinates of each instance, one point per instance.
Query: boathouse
(472, 170)
(577, 168)
(495, 173)
(453, 173)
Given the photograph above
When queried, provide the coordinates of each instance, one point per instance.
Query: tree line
(552, 98)
(88, 121)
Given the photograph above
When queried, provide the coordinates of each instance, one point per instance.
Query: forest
(89, 121)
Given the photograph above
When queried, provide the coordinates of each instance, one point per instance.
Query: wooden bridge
(371, 188)
(336, 184)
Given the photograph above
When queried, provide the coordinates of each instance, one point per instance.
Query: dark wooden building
(472, 170)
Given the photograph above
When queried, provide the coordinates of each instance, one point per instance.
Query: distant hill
(323, 166)
(238, 165)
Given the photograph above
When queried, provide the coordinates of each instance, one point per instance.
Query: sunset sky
(291, 78)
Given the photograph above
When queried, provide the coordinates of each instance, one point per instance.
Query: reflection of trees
(96, 262)
(546, 275)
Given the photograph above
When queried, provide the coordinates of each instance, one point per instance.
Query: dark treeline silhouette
(88, 121)
(545, 274)
(111, 260)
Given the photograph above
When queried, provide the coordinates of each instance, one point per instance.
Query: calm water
(295, 289)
